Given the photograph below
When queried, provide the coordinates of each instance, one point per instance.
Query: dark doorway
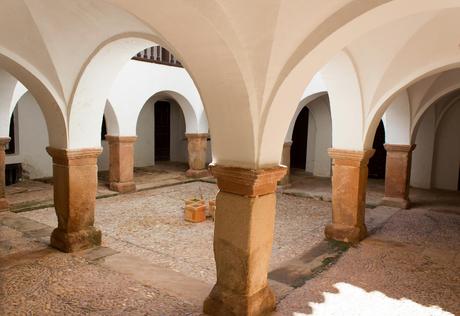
(162, 130)
(299, 140)
(378, 161)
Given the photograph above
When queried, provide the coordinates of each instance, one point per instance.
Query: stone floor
(150, 224)
(28, 195)
(154, 263)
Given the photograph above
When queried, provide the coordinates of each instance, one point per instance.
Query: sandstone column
(75, 187)
(4, 205)
(197, 145)
(243, 236)
(286, 161)
(121, 165)
(397, 175)
(349, 182)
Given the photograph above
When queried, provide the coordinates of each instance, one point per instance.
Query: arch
(377, 112)
(137, 82)
(445, 109)
(51, 105)
(309, 58)
(88, 99)
(315, 89)
(426, 105)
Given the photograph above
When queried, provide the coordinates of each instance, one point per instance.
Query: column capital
(120, 139)
(350, 157)
(196, 135)
(74, 157)
(399, 147)
(247, 182)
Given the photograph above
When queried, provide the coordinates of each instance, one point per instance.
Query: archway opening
(378, 160)
(300, 140)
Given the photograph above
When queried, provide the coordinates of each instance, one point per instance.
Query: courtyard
(152, 262)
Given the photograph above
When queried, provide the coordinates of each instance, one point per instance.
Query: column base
(70, 242)
(192, 173)
(345, 233)
(4, 205)
(396, 202)
(122, 187)
(225, 303)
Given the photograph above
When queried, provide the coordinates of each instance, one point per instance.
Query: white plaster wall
(178, 151)
(320, 110)
(103, 159)
(422, 157)
(446, 161)
(144, 148)
(32, 140)
(139, 81)
(311, 144)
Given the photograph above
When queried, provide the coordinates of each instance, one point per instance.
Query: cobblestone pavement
(408, 266)
(150, 224)
(36, 280)
(411, 266)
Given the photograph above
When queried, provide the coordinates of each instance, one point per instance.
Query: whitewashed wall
(422, 157)
(446, 160)
(32, 139)
(436, 159)
(178, 149)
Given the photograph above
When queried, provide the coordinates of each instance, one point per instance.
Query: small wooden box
(195, 213)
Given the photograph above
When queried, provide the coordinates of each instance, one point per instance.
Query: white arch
(397, 120)
(315, 89)
(139, 81)
(88, 101)
(46, 96)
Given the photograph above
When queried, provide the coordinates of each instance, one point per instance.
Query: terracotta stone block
(286, 161)
(397, 175)
(195, 213)
(246, 203)
(197, 146)
(75, 186)
(121, 164)
(4, 205)
(349, 183)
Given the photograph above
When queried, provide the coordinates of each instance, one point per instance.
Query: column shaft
(75, 187)
(197, 146)
(121, 164)
(243, 237)
(4, 205)
(349, 183)
(397, 175)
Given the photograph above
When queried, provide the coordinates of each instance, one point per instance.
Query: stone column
(243, 236)
(197, 145)
(286, 161)
(121, 163)
(349, 183)
(4, 205)
(75, 187)
(397, 175)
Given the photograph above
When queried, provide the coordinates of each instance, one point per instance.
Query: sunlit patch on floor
(353, 300)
